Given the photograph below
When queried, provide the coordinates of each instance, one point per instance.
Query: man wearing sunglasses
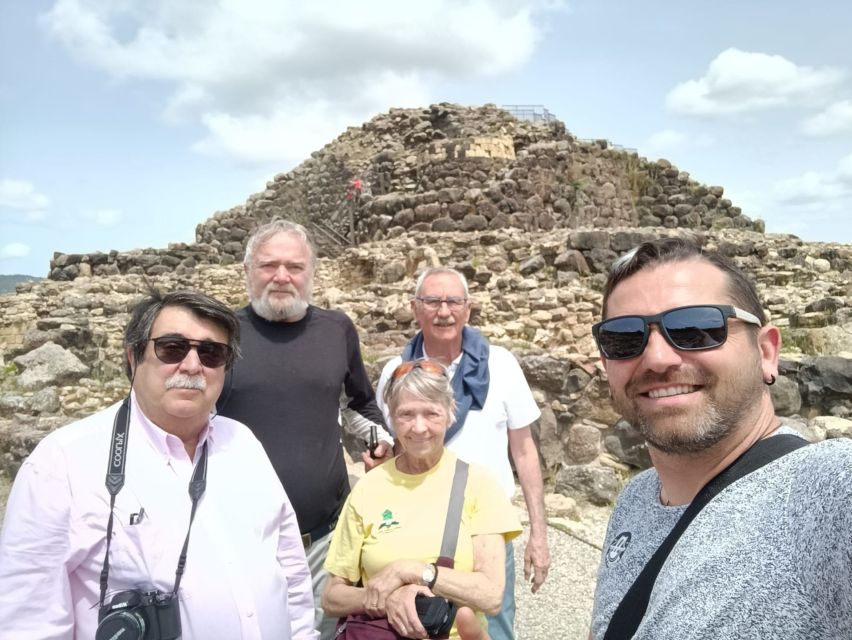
(298, 360)
(244, 573)
(690, 358)
(494, 410)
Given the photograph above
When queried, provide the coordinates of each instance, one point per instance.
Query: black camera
(139, 615)
(436, 614)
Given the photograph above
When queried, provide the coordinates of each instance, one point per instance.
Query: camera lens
(126, 625)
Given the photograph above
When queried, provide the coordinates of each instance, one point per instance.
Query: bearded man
(298, 360)
(689, 357)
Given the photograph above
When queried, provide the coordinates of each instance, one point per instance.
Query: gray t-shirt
(770, 557)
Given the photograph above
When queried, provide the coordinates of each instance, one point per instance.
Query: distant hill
(8, 282)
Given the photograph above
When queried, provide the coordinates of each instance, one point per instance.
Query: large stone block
(583, 444)
(785, 396)
(627, 445)
(598, 485)
(48, 365)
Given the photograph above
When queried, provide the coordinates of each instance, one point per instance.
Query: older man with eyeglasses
(495, 409)
(96, 540)
(738, 531)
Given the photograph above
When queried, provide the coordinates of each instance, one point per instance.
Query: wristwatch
(429, 575)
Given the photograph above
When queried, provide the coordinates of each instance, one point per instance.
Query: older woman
(390, 530)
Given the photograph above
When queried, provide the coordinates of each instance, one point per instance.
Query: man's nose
(191, 363)
(659, 355)
(282, 274)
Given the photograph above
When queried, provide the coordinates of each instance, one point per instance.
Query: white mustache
(184, 381)
(443, 322)
(270, 288)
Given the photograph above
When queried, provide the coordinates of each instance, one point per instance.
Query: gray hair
(271, 229)
(423, 385)
(437, 270)
(144, 313)
(667, 250)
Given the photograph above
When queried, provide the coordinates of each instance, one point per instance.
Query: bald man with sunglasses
(738, 531)
(100, 513)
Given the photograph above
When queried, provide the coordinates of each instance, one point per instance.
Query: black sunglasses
(692, 328)
(173, 349)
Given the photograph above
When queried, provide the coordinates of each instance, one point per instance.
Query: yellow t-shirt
(392, 515)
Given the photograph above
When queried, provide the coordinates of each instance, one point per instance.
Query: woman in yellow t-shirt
(389, 533)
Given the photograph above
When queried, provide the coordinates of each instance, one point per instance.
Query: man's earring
(769, 382)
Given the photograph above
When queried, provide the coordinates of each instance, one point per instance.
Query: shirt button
(249, 614)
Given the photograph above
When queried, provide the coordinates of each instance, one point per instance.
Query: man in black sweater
(297, 362)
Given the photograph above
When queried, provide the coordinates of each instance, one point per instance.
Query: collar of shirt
(451, 370)
(167, 445)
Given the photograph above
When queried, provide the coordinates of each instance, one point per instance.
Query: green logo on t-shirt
(388, 523)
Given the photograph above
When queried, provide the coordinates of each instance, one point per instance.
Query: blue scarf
(470, 382)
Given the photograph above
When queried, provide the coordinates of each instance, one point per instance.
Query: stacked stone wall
(535, 293)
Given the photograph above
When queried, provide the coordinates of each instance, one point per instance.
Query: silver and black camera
(139, 615)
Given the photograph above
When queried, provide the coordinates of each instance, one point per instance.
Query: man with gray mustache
(243, 572)
(298, 360)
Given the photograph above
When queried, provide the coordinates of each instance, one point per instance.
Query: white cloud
(835, 119)
(103, 217)
(816, 190)
(14, 250)
(21, 195)
(289, 133)
(742, 81)
(272, 79)
(671, 139)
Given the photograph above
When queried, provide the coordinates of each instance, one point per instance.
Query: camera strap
(196, 489)
(115, 481)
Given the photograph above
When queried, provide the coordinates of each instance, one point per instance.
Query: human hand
(383, 452)
(468, 626)
(402, 613)
(536, 560)
(388, 580)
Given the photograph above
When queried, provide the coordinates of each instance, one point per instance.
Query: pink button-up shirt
(246, 575)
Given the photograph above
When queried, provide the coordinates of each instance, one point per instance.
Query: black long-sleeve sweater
(286, 389)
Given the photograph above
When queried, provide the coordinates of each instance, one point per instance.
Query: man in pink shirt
(241, 574)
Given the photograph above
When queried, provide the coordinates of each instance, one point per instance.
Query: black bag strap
(454, 511)
(630, 611)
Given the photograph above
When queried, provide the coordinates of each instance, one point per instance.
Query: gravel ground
(562, 608)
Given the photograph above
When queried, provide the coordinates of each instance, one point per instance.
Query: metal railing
(531, 112)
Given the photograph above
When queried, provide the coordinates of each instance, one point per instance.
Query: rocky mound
(530, 214)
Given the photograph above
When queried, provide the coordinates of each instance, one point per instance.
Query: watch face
(428, 574)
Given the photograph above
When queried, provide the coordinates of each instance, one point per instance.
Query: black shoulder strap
(454, 511)
(632, 607)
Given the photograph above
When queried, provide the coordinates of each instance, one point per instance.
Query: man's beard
(277, 309)
(727, 405)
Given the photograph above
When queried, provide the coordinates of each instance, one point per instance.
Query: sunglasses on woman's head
(173, 349)
(692, 328)
(428, 366)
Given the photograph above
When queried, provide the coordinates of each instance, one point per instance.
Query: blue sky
(125, 123)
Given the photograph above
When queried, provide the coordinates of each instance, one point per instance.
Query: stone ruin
(446, 168)
(530, 214)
